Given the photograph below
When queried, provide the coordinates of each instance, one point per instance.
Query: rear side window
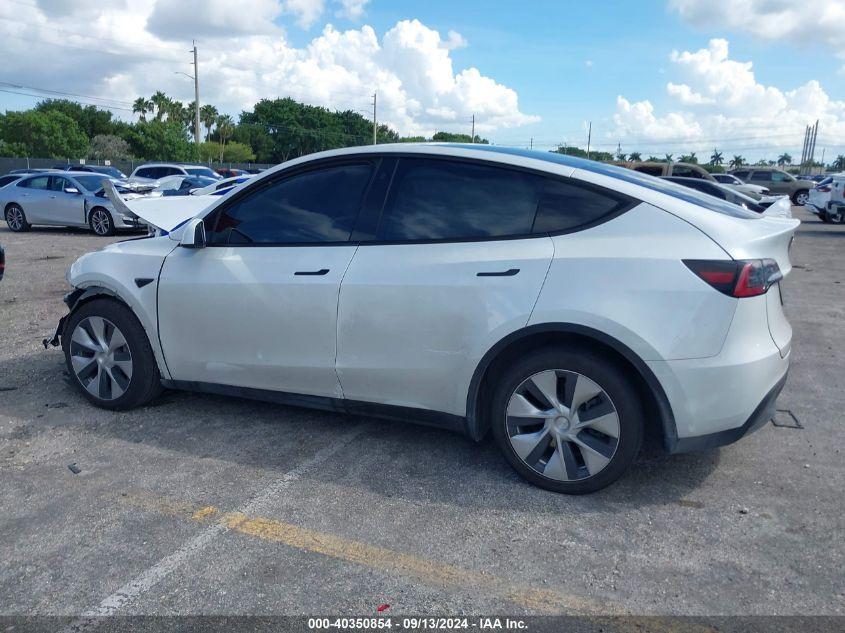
(761, 175)
(565, 206)
(441, 199)
(316, 206)
(35, 183)
(651, 170)
(742, 175)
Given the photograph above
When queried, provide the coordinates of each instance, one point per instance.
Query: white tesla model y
(564, 305)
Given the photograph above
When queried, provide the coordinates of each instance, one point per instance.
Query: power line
(61, 93)
(41, 96)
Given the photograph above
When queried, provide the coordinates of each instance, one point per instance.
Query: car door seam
(337, 318)
(542, 285)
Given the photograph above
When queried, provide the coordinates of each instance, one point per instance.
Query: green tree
(570, 150)
(141, 106)
(90, 119)
(225, 129)
(689, 158)
(737, 161)
(160, 102)
(654, 159)
(108, 146)
(839, 163)
(450, 137)
(45, 134)
(208, 116)
(635, 157)
(716, 158)
(784, 159)
(668, 158)
(160, 140)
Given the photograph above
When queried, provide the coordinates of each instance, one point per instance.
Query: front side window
(762, 176)
(35, 183)
(781, 176)
(316, 206)
(58, 183)
(441, 199)
(91, 183)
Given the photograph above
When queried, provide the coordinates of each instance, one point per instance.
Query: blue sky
(567, 63)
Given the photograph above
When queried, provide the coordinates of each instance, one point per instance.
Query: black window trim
(210, 220)
(626, 202)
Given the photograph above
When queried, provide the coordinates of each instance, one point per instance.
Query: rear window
(202, 171)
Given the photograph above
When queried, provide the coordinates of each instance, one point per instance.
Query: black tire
(145, 381)
(605, 373)
(18, 227)
(800, 192)
(101, 222)
(824, 217)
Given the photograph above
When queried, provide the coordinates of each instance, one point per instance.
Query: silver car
(63, 199)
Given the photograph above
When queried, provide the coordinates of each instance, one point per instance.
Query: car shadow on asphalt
(420, 464)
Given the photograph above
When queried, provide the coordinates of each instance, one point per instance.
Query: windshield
(91, 183)
(202, 171)
(109, 171)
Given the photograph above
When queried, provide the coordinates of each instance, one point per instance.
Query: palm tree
(669, 158)
(737, 161)
(161, 102)
(839, 163)
(784, 159)
(652, 159)
(689, 158)
(175, 112)
(141, 106)
(716, 158)
(225, 129)
(208, 116)
(635, 157)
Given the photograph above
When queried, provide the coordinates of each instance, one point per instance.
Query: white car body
(154, 172)
(777, 206)
(221, 186)
(822, 195)
(409, 329)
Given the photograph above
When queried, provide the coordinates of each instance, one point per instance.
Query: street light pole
(196, 98)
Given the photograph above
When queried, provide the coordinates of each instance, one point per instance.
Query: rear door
(449, 267)
(33, 196)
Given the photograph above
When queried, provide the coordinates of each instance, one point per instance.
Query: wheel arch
(659, 417)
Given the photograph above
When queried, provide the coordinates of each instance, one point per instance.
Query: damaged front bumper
(70, 300)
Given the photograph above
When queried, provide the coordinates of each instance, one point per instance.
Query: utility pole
(473, 129)
(813, 145)
(589, 137)
(375, 121)
(196, 97)
(531, 143)
(823, 167)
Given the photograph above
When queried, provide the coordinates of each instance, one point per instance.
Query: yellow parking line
(390, 561)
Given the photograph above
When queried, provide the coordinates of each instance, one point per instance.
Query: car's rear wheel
(109, 356)
(568, 420)
(101, 222)
(801, 197)
(16, 219)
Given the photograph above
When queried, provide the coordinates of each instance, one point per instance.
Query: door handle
(510, 272)
(320, 272)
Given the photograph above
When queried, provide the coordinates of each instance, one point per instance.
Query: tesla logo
(383, 607)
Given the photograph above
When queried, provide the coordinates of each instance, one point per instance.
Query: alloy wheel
(14, 217)
(802, 198)
(100, 222)
(101, 358)
(562, 425)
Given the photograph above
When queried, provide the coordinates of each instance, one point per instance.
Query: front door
(257, 307)
(67, 209)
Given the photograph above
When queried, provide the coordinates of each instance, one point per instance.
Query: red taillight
(743, 278)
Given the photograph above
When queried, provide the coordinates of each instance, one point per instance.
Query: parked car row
(76, 197)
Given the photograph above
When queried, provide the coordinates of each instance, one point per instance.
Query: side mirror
(71, 190)
(193, 234)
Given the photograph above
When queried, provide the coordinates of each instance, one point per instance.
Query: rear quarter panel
(626, 278)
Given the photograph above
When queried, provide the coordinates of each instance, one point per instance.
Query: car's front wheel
(109, 356)
(567, 419)
(101, 222)
(801, 197)
(16, 219)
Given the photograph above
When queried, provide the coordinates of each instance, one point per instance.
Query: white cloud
(720, 101)
(419, 90)
(352, 9)
(455, 41)
(307, 12)
(806, 23)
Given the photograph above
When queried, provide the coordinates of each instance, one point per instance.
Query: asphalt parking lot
(208, 505)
